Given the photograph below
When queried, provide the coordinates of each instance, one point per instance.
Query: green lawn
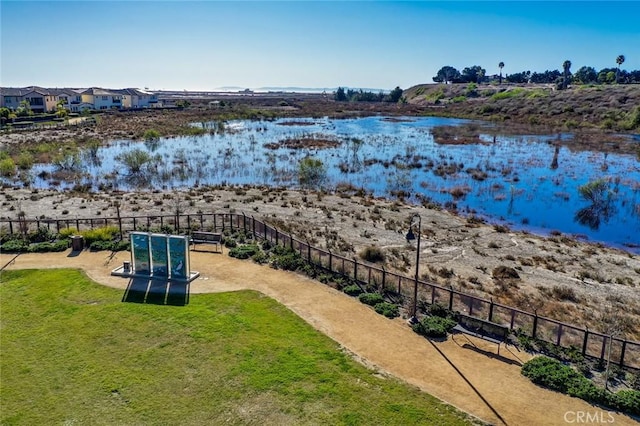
(73, 353)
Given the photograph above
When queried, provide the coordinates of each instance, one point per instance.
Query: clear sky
(203, 45)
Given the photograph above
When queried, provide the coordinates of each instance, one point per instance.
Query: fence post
(450, 298)
(291, 242)
(253, 226)
(513, 318)
(276, 229)
(355, 269)
(11, 227)
(622, 351)
(490, 310)
(244, 222)
(134, 224)
(230, 222)
(470, 306)
(559, 335)
(215, 226)
(330, 260)
(189, 222)
(535, 323)
(586, 339)
(77, 224)
(119, 219)
(384, 277)
(202, 222)
(309, 252)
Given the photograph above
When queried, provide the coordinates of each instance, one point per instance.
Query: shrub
(289, 261)
(41, 234)
(244, 251)
(439, 310)
(433, 326)
(121, 245)
(151, 135)
(389, 310)
(7, 167)
(260, 257)
(14, 246)
(371, 299)
(505, 272)
(353, 290)
(554, 375)
(105, 233)
(230, 243)
(49, 247)
(372, 254)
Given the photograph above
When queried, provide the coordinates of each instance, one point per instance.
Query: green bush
(433, 326)
(105, 233)
(389, 310)
(14, 246)
(353, 290)
(439, 310)
(290, 261)
(151, 135)
(42, 234)
(371, 298)
(260, 257)
(7, 167)
(120, 245)
(552, 374)
(49, 247)
(244, 251)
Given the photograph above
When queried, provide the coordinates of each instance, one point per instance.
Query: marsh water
(527, 181)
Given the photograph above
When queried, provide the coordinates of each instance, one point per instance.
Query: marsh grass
(73, 353)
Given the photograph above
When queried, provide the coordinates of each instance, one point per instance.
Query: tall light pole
(410, 237)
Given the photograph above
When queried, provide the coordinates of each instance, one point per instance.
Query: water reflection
(529, 181)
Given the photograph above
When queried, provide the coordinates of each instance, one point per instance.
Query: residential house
(40, 100)
(102, 99)
(11, 97)
(76, 100)
(136, 98)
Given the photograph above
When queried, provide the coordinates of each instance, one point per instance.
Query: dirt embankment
(603, 108)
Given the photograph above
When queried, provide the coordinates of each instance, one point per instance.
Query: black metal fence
(595, 345)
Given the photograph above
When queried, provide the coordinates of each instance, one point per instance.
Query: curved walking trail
(462, 371)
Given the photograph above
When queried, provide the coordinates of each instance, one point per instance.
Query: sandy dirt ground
(463, 371)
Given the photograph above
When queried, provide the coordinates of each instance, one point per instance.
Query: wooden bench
(200, 237)
(483, 329)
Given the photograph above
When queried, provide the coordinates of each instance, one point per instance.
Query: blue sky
(203, 45)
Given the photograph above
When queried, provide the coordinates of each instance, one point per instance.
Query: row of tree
(584, 75)
(351, 95)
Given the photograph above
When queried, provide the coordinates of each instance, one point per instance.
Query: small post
(490, 310)
(584, 342)
(535, 324)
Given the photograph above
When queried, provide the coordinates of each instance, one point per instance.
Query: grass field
(73, 353)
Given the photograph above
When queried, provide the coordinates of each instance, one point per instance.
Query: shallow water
(526, 181)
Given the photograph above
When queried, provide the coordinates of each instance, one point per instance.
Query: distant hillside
(606, 107)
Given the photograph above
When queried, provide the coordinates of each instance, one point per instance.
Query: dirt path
(466, 373)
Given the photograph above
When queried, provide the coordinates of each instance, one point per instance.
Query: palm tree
(566, 65)
(619, 61)
(501, 65)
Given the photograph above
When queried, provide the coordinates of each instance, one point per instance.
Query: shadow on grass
(156, 292)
